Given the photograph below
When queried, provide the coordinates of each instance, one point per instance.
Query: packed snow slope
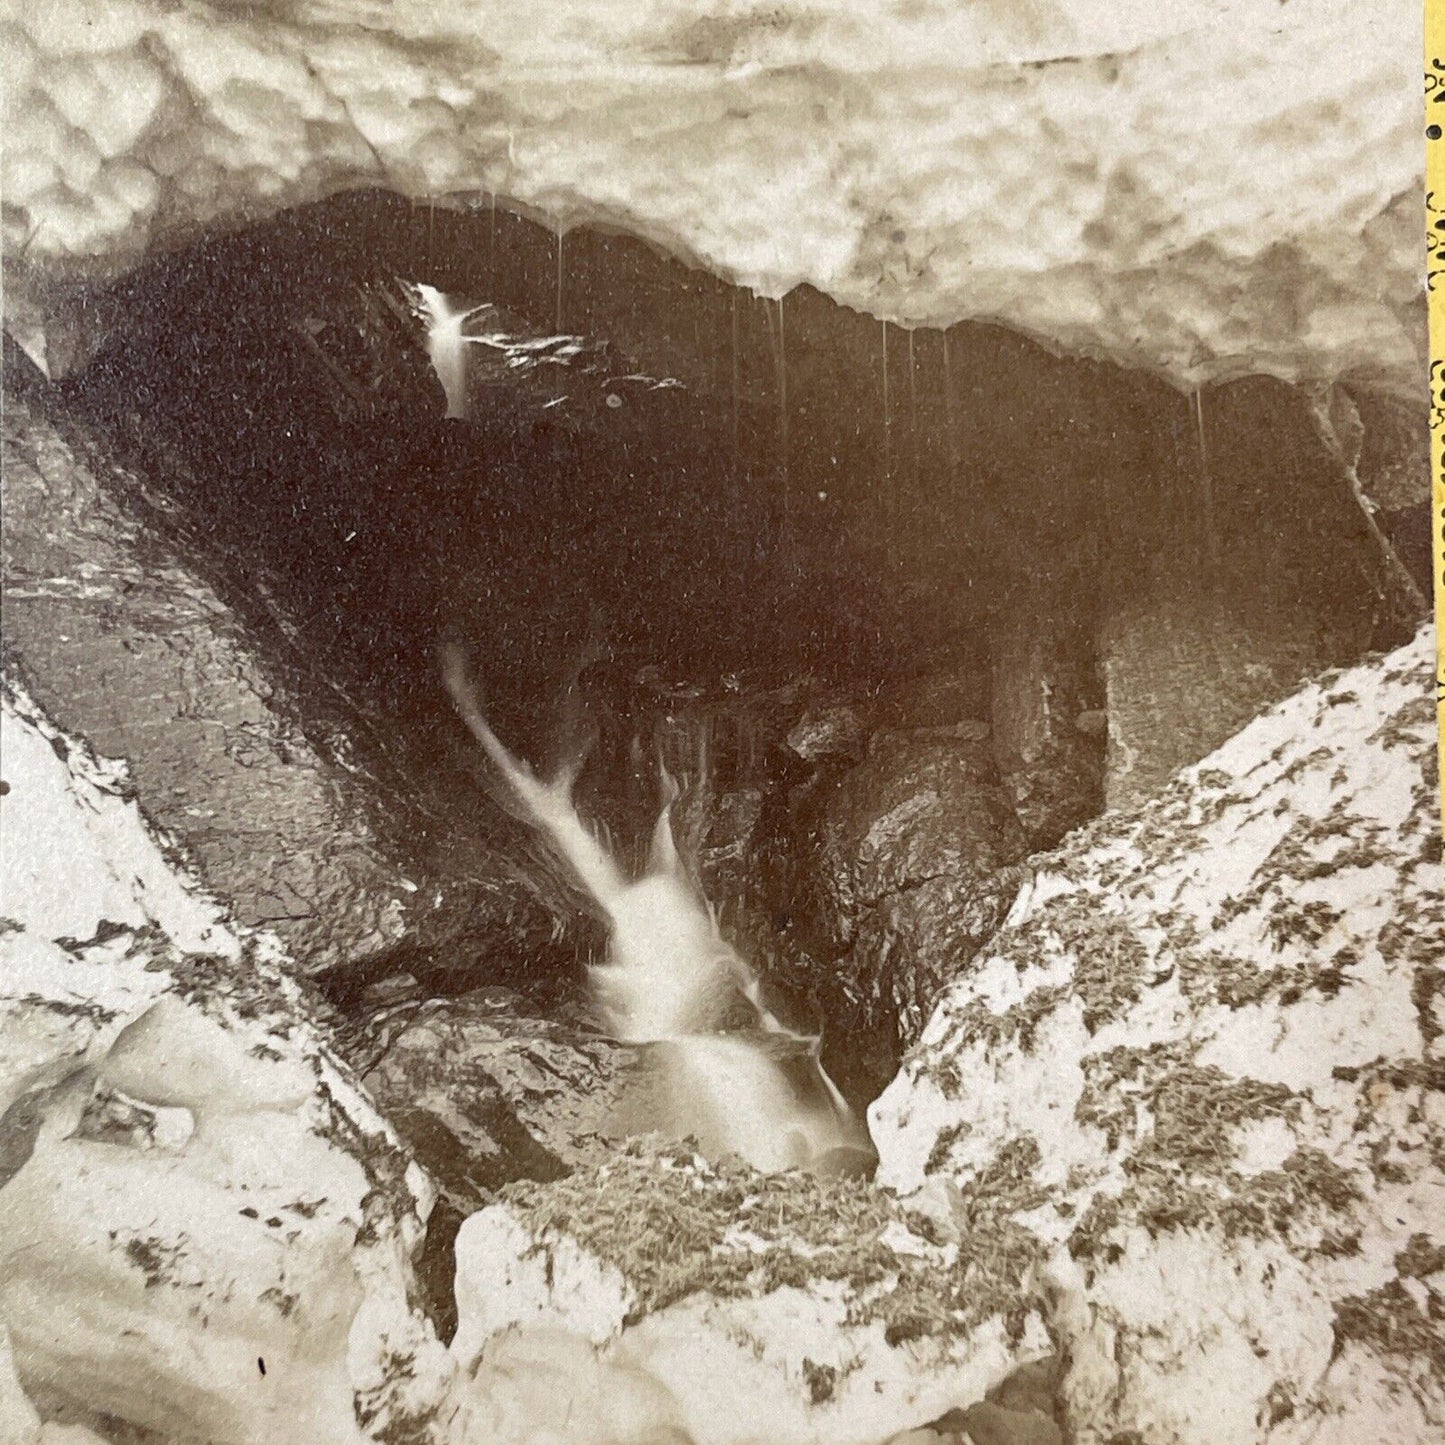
(1203, 188)
(1207, 1053)
(205, 1228)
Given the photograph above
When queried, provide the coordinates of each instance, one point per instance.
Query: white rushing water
(725, 1069)
(446, 344)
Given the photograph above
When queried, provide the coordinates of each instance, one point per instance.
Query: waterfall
(446, 346)
(729, 1071)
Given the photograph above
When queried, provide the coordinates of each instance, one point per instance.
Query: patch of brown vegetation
(1410, 726)
(1420, 1258)
(1182, 1175)
(1304, 855)
(662, 1217)
(1391, 1325)
(1305, 1203)
(1016, 1027)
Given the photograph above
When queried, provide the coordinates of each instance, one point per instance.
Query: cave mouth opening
(901, 608)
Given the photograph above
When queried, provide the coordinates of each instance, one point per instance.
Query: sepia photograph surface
(720, 723)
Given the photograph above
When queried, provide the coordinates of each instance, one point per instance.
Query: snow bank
(1204, 188)
(204, 1228)
(1210, 1040)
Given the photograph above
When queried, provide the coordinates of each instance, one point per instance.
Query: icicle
(950, 415)
(886, 508)
(887, 419)
(1206, 482)
(736, 388)
(912, 416)
(559, 283)
(783, 415)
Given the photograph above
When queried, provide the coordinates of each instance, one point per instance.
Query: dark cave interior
(686, 524)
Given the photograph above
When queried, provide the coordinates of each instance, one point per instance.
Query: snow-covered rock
(205, 1229)
(767, 1308)
(1202, 188)
(1207, 1048)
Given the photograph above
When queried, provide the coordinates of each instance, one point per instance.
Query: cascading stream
(726, 1069)
(446, 344)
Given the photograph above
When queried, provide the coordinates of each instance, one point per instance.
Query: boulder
(485, 1091)
(889, 879)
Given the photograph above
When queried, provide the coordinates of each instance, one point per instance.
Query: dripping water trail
(1206, 483)
(886, 499)
(736, 378)
(950, 412)
(910, 501)
(787, 499)
(558, 327)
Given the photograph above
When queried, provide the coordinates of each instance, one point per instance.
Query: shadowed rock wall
(256, 766)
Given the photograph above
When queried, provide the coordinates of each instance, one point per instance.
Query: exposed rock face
(1048, 723)
(753, 509)
(1207, 1049)
(1262, 569)
(1077, 127)
(123, 624)
(1184, 672)
(882, 875)
(910, 847)
(485, 1093)
(204, 1226)
(138, 653)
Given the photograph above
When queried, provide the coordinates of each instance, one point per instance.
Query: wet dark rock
(483, 1092)
(128, 647)
(1059, 788)
(891, 877)
(1021, 1409)
(941, 699)
(886, 854)
(486, 1092)
(1050, 726)
(272, 388)
(1034, 1386)
(918, 812)
(836, 733)
(725, 854)
(125, 625)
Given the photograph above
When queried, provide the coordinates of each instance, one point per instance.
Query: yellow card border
(1435, 282)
